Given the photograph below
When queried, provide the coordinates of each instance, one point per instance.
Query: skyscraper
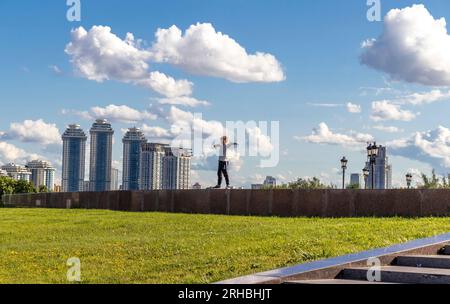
(114, 179)
(42, 174)
(270, 182)
(383, 171)
(151, 164)
(355, 180)
(17, 172)
(132, 142)
(389, 176)
(101, 155)
(176, 169)
(197, 186)
(74, 157)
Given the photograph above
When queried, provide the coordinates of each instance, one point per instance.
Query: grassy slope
(117, 247)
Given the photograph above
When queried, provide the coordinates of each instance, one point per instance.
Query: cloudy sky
(330, 77)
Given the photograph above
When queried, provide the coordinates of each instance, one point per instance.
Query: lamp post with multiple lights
(372, 153)
(409, 178)
(344, 163)
(366, 173)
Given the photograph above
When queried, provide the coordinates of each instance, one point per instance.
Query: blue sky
(317, 44)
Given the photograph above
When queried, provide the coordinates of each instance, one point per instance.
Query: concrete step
(428, 261)
(334, 282)
(401, 274)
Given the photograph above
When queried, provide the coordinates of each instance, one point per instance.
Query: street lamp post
(409, 178)
(366, 173)
(344, 163)
(372, 153)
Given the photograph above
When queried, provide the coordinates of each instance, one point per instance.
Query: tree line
(434, 181)
(427, 182)
(12, 186)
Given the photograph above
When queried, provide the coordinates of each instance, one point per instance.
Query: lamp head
(409, 177)
(369, 150)
(375, 149)
(344, 163)
(366, 172)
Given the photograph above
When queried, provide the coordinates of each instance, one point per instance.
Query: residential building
(42, 174)
(176, 169)
(270, 182)
(3, 173)
(257, 186)
(114, 179)
(73, 161)
(17, 172)
(100, 155)
(356, 180)
(151, 166)
(389, 176)
(132, 142)
(383, 171)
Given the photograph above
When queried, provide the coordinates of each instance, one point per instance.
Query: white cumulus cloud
(385, 110)
(122, 113)
(10, 153)
(324, 135)
(114, 113)
(166, 85)
(155, 132)
(414, 47)
(202, 50)
(418, 99)
(353, 108)
(34, 131)
(99, 55)
(432, 147)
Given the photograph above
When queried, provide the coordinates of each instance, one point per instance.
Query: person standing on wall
(223, 162)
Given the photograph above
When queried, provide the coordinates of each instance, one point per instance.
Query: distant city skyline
(152, 166)
(157, 166)
(319, 68)
(147, 166)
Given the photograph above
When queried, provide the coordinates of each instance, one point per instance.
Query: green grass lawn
(120, 247)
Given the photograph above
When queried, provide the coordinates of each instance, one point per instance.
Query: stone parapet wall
(282, 203)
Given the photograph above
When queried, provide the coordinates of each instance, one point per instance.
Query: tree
(306, 184)
(43, 189)
(22, 186)
(353, 187)
(434, 182)
(11, 186)
(7, 185)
